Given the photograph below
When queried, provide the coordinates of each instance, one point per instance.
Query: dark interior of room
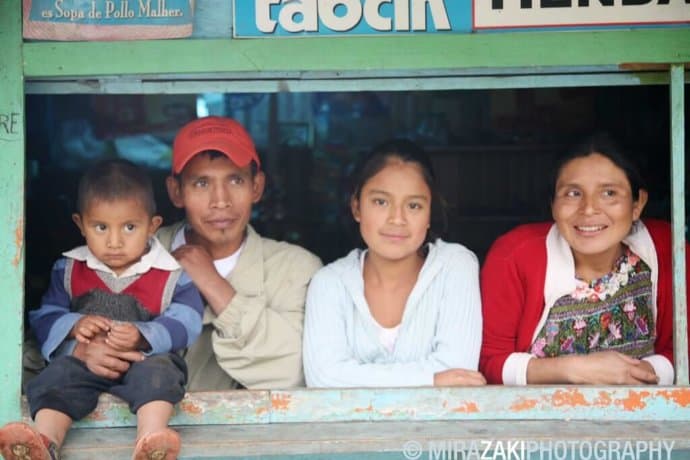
(493, 151)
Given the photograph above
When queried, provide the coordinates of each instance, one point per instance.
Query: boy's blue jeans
(68, 386)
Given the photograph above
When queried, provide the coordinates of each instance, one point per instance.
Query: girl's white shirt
(441, 326)
(387, 335)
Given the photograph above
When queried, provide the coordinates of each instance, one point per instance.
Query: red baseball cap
(222, 134)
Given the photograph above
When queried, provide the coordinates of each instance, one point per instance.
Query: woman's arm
(602, 368)
(663, 359)
(504, 300)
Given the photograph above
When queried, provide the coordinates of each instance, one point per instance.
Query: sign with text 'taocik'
(269, 18)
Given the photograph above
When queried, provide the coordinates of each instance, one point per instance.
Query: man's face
(217, 197)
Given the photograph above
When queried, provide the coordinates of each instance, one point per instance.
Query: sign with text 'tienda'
(281, 18)
(510, 14)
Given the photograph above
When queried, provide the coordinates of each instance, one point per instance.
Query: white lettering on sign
(344, 15)
(118, 12)
(544, 13)
(61, 12)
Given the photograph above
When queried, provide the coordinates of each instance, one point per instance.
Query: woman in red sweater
(586, 299)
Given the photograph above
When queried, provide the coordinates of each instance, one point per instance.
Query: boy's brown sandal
(159, 445)
(19, 441)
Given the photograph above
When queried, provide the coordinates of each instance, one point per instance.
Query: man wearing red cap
(254, 287)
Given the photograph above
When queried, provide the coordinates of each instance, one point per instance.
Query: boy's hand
(125, 337)
(90, 326)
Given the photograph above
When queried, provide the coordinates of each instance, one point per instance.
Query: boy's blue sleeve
(179, 325)
(53, 321)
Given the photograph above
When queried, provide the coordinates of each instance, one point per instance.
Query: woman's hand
(458, 377)
(600, 368)
(612, 368)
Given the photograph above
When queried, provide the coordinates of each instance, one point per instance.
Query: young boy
(122, 289)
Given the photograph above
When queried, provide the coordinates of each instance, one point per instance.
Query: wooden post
(680, 317)
(11, 208)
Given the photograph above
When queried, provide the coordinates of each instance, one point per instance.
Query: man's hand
(198, 264)
(103, 360)
(196, 261)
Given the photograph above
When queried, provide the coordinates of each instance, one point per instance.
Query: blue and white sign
(269, 18)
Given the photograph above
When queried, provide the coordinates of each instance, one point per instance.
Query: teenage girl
(404, 311)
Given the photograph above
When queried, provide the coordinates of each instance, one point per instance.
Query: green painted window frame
(492, 60)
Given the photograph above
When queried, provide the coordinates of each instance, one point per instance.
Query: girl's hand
(458, 377)
(90, 326)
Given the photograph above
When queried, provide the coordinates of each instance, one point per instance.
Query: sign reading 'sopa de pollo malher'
(107, 19)
(269, 18)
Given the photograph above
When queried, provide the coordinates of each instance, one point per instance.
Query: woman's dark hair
(115, 179)
(606, 146)
(408, 152)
